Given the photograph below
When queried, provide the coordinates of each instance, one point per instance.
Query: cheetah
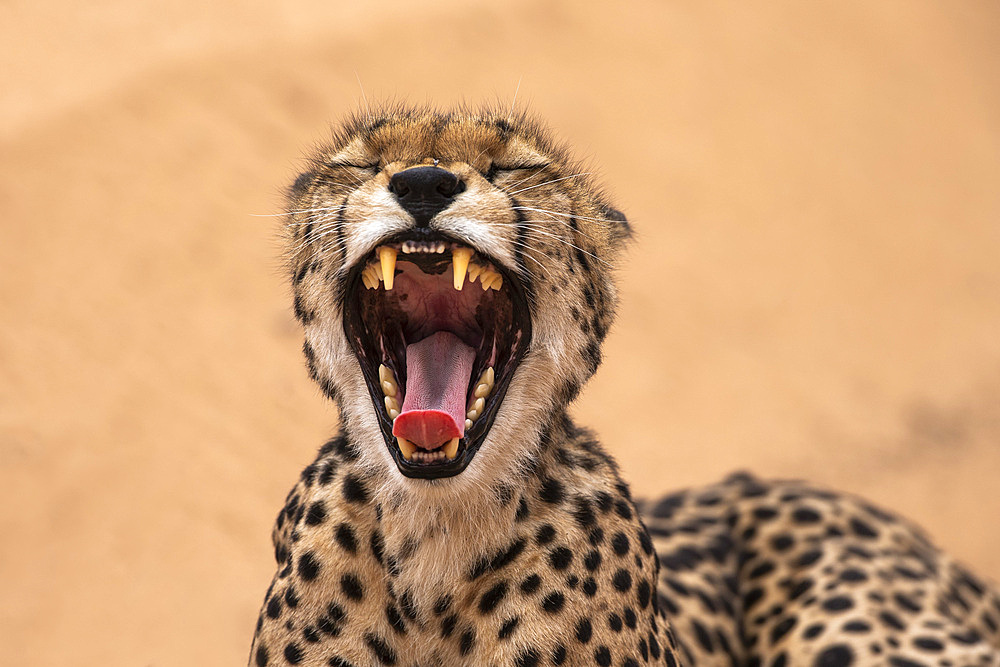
(452, 273)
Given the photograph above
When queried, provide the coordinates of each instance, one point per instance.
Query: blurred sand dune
(815, 292)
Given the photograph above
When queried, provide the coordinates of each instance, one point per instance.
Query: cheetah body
(536, 553)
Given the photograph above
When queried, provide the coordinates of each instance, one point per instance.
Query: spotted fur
(536, 554)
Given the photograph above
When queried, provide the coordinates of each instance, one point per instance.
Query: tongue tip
(427, 429)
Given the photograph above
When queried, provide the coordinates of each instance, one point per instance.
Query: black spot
(701, 634)
(508, 627)
(928, 644)
(809, 557)
(467, 642)
(782, 628)
(442, 605)
(589, 587)
(903, 662)
(620, 543)
(615, 622)
(345, 538)
(906, 603)
(551, 491)
(316, 514)
(853, 575)
(559, 654)
(448, 625)
(893, 621)
(354, 491)
(862, 529)
(546, 533)
(857, 627)
(623, 510)
(382, 651)
(799, 589)
(813, 630)
(602, 656)
(583, 512)
(553, 602)
(645, 542)
(337, 661)
(293, 654)
(408, 606)
(765, 568)
(596, 536)
(630, 617)
(622, 580)
(528, 658)
(351, 587)
(291, 598)
(501, 559)
(530, 584)
(395, 620)
(805, 515)
(838, 655)
(592, 561)
(642, 594)
(274, 607)
(261, 656)
(308, 566)
(492, 597)
(560, 558)
(584, 630)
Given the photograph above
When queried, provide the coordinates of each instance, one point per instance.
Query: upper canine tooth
(406, 447)
(451, 449)
(460, 262)
(387, 259)
(489, 376)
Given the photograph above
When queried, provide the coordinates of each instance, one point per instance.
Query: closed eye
(495, 169)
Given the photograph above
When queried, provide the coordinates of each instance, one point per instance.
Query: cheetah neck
(437, 544)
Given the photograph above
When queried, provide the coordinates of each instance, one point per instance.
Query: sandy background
(816, 290)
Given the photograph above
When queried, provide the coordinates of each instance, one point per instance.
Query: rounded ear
(619, 223)
(301, 184)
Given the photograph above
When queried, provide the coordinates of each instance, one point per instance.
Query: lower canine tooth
(406, 447)
(451, 449)
(387, 258)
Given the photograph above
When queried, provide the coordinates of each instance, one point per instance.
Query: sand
(815, 291)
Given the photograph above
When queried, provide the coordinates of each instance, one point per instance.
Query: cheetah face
(451, 274)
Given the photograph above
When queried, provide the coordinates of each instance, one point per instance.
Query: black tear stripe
(521, 225)
(341, 223)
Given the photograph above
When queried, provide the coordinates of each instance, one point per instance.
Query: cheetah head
(452, 274)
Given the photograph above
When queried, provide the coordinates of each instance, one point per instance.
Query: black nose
(425, 191)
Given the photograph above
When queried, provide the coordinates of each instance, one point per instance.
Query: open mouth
(439, 330)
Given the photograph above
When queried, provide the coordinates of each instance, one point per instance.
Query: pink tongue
(437, 378)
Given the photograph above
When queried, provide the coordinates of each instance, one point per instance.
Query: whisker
(550, 182)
